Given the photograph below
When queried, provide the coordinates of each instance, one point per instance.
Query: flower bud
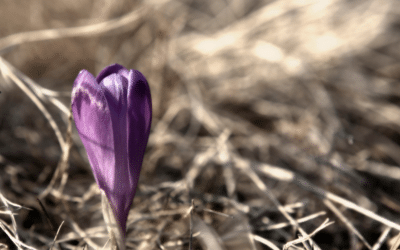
(112, 113)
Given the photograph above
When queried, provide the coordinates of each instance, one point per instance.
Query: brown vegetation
(272, 119)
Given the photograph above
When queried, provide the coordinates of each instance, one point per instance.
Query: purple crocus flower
(112, 113)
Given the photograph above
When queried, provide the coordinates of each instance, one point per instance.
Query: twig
(346, 222)
(381, 239)
(52, 226)
(55, 238)
(7, 72)
(325, 224)
(289, 176)
(89, 30)
(191, 226)
(265, 242)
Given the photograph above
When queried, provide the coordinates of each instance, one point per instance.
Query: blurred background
(265, 114)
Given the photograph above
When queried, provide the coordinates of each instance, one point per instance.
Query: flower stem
(116, 240)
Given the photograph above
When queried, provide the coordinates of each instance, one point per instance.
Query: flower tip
(111, 69)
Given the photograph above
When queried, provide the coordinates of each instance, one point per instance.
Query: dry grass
(276, 123)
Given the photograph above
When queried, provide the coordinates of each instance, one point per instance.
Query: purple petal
(93, 122)
(139, 120)
(120, 190)
(136, 133)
